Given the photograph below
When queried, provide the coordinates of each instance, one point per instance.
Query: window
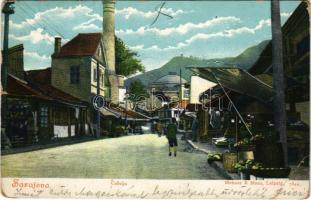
(44, 116)
(95, 75)
(74, 74)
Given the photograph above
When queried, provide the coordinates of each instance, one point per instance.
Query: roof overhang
(108, 112)
(237, 80)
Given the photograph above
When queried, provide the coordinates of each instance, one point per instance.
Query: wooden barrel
(229, 160)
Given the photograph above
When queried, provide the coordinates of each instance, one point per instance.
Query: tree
(137, 91)
(278, 77)
(127, 62)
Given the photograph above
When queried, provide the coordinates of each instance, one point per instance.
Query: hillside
(245, 60)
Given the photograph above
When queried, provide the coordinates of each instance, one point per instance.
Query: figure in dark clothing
(171, 132)
(194, 128)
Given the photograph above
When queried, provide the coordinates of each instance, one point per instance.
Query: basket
(229, 161)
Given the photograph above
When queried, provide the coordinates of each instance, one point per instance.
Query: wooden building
(67, 111)
(37, 111)
(296, 60)
(33, 116)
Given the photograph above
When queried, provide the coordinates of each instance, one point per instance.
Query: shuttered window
(44, 117)
(74, 74)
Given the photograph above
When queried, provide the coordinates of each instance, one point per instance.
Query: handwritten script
(282, 189)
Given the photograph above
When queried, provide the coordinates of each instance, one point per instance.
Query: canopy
(238, 80)
(197, 87)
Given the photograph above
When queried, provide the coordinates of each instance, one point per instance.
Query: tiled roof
(60, 95)
(41, 81)
(84, 44)
(20, 88)
(122, 112)
(41, 76)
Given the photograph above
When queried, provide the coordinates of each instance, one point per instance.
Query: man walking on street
(194, 128)
(171, 132)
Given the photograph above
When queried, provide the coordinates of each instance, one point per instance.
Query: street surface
(137, 156)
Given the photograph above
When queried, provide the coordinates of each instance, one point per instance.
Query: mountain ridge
(244, 60)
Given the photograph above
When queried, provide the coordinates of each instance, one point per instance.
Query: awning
(197, 87)
(107, 112)
(121, 113)
(238, 80)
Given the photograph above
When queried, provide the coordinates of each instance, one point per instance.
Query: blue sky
(205, 29)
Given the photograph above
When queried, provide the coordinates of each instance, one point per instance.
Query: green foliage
(244, 141)
(137, 90)
(256, 139)
(248, 165)
(127, 62)
(214, 157)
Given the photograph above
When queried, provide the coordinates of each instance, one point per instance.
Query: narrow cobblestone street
(136, 156)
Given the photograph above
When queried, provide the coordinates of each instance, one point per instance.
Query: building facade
(74, 67)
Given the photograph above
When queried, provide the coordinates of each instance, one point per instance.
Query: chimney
(57, 44)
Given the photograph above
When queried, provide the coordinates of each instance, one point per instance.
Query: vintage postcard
(146, 99)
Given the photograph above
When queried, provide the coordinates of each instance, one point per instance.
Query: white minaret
(109, 32)
(109, 44)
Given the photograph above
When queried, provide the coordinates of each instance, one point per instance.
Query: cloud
(157, 48)
(35, 55)
(206, 36)
(34, 37)
(33, 60)
(261, 24)
(181, 29)
(229, 32)
(88, 25)
(130, 11)
(57, 14)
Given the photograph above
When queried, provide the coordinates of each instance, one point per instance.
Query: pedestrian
(159, 128)
(130, 128)
(194, 128)
(171, 132)
(154, 126)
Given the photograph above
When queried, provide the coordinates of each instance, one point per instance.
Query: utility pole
(278, 77)
(180, 85)
(7, 10)
(180, 98)
(126, 99)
